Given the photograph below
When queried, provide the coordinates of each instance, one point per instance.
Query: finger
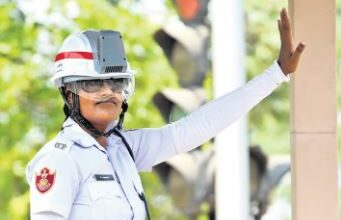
(279, 28)
(298, 52)
(286, 35)
(285, 20)
(299, 49)
(286, 48)
(279, 25)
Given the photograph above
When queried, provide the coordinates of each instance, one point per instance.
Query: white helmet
(91, 55)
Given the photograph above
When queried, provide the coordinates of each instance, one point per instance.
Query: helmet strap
(121, 119)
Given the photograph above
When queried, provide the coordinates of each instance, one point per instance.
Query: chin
(102, 117)
(106, 119)
(102, 123)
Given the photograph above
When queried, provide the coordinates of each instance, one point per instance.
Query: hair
(66, 111)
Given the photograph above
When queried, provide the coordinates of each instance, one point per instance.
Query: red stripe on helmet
(74, 55)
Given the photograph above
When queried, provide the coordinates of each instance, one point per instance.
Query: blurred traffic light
(190, 179)
(192, 11)
(185, 45)
(186, 50)
(174, 104)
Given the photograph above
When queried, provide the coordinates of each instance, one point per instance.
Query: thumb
(298, 51)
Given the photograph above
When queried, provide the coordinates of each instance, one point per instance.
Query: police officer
(90, 169)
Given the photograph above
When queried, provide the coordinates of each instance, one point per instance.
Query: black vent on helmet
(98, 50)
(113, 69)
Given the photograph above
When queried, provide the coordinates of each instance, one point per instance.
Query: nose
(105, 89)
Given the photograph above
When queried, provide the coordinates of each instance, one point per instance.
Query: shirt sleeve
(153, 146)
(54, 182)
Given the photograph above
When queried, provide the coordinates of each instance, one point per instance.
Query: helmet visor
(97, 88)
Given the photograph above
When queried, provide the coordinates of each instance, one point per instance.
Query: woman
(90, 169)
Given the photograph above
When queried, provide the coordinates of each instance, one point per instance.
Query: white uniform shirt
(73, 177)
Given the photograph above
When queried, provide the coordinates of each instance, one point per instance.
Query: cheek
(86, 107)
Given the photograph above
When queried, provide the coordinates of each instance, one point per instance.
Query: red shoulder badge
(45, 180)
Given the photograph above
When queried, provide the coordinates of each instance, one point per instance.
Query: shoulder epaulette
(60, 143)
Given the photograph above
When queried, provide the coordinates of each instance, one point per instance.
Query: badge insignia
(45, 180)
(60, 146)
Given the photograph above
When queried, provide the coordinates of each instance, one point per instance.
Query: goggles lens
(91, 86)
(124, 86)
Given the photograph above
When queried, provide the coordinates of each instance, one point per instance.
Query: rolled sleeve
(152, 146)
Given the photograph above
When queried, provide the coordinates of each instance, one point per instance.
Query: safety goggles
(92, 86)
(124, 86)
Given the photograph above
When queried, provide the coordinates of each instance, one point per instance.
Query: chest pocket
(108, 201)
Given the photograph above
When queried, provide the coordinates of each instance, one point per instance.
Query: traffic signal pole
(313, 112)
(228, 53)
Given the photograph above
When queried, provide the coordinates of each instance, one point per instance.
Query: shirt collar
(78, 135)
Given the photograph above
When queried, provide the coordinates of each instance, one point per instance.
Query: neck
(100, 127)
(102, 141)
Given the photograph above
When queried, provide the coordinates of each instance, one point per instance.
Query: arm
(152, 146)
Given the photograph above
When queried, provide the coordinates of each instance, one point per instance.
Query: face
(99, 104)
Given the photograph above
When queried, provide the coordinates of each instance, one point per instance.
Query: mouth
(113, 101)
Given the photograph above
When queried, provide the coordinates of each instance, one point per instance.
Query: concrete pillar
(313, 112)
(228, 53)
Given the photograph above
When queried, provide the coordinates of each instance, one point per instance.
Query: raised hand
(288, 57)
